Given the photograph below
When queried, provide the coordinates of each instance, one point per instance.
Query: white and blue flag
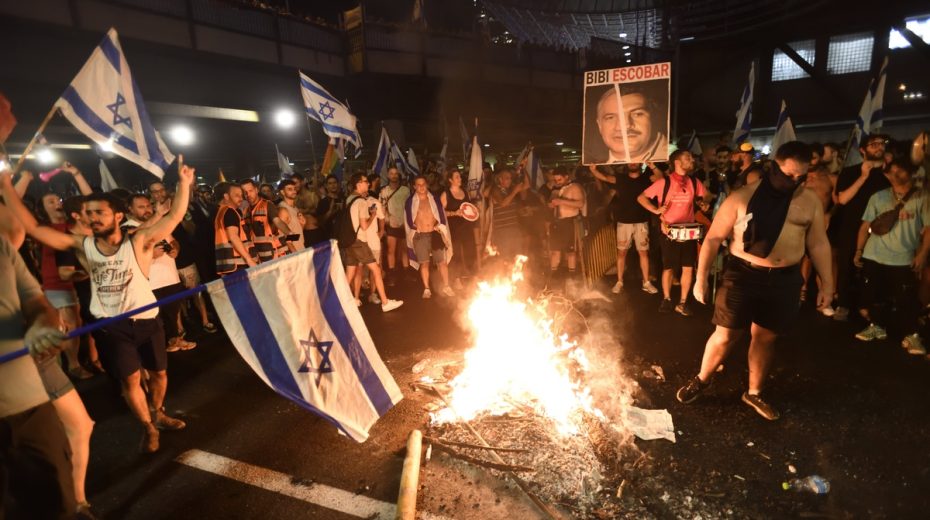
(863, 121)
(104, 103)
(322, 107)
(380, 167)
(878, 97)
(413, 166)
(744, 114)
(397, 156)
(784, 129)
(295, 322)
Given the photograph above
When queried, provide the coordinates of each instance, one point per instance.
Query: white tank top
(294, 224)
(117, 283)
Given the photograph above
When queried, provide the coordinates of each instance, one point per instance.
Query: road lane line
(322, 495)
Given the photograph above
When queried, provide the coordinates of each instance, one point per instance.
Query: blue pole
(91, 327)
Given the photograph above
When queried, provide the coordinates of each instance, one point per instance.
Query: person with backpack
(677, 194)
(351, 227)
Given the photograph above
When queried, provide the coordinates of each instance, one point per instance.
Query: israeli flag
(380, 167)
(878, 96)
(399, 160)
(411, 162)
(784, 130)
(863, 121)
(322, 107)
(744, 114)
(104, 103)
(295, 322)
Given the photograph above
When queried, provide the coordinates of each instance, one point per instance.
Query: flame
(518, 361)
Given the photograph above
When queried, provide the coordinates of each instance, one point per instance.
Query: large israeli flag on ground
(335, 117)
(104, 103)
(295, 322)
(744, 114)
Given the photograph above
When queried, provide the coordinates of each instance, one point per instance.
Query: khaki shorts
(359, 254)
(638, 232)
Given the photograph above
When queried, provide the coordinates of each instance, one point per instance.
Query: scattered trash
(720, 368)
(650, 424)
(420, 366)
(433, 406)
(659, 372)
(620, 488)
(750, 444)
(655, 372)
(739, 477)
(814, 484)
(429, 454)
(764, 456)
(792, 469)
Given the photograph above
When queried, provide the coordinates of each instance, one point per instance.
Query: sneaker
(841, 314)
(447, 291)
(683, 308)
(617, 288)
(427, 294)
(374, 298)
(150, 439)
(84, 512)
(872, 332)
(827, 311)
(390, 305)
(760, 406)
(173, 345)
(209, 328)
(914, 345)
(164, 422)
(691, 391)
(649, 288)
(666, 306)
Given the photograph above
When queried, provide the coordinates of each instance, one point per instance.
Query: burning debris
(521, 402)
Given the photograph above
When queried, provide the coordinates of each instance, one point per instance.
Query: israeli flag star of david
(323, 107)
(295, 323)
(105, 104)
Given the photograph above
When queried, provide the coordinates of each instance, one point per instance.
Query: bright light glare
(45, 156)
(107, 146)
(623, 35)
(486, 145)
(182, 135)
(284, 118)
(559, 143)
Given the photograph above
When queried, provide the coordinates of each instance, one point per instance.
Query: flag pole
(22, 158)
(91, 327)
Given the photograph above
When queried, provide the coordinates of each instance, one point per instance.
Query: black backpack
(343, 230)
(668, 185)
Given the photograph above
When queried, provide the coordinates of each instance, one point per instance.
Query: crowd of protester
(99, 254)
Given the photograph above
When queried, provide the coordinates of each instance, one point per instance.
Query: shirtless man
(821, 183)
(425, 212)
(567, 203)
(119, 268)
(762, 281)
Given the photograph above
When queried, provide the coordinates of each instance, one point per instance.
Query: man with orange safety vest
(234, 250)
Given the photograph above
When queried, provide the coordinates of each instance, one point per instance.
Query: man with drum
(677, 194)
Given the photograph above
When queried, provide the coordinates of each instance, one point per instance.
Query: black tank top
(453, 204)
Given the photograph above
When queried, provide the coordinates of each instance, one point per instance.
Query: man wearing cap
(745, 169)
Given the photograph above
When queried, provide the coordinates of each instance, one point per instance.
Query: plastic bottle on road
(814, 484)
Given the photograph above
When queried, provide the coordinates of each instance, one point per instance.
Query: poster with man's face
(626, 114)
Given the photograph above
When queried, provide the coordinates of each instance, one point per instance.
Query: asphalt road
(857, 414)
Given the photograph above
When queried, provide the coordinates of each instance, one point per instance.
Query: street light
(182, 135)
(45, 156)
(284, 118)
(559, 143)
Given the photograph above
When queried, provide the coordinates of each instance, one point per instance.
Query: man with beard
(769, 224)
(567, 203)
(854, 186)
(393, 196)
(745, 169)
(630, 126)
(330, 204)
(259, 218)
(119, 267)
(233, 248)
(289, 220)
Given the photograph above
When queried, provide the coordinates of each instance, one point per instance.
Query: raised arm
(602, 176)
(163, 228)
(48, 236)
(79, 179)
(22, 184)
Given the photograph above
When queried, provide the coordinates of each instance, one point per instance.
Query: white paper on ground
(650, 424)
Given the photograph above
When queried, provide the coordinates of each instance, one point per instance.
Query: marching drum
(685, 232)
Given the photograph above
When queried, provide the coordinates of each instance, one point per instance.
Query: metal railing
(598, 252)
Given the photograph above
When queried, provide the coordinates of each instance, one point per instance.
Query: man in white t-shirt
(358, 253)
(373, 238)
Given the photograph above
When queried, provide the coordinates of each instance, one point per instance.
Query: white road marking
(322, 495)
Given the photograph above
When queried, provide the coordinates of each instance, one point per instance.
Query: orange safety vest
(264, 235)
(228, 259)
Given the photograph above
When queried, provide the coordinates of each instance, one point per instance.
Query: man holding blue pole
(119, 265)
